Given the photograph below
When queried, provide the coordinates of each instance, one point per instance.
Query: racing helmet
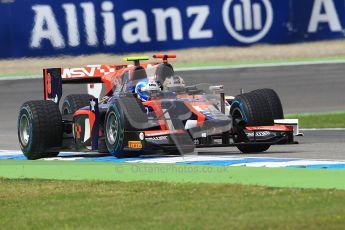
(174, 84)
(146, 89)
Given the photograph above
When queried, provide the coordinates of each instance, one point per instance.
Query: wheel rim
(24, 129)
(112, 128)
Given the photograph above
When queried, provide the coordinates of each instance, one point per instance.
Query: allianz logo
(133, 29)
(247, 15)
(247, 21)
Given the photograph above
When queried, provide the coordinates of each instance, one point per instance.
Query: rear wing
(54, 78)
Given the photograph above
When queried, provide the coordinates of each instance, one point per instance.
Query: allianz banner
(36, 28)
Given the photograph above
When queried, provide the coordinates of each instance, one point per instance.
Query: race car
(146, 109)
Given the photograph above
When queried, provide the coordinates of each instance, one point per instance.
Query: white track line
(19, 78)
(174, 159)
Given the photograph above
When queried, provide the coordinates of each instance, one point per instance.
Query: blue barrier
(35, 28)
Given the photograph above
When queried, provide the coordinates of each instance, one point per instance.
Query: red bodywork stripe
(285, 128)
(47, 84)
(91, 115)
(157, 108)
(201, 117)
(161, 132)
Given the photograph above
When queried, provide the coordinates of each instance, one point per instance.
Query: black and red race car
(173, 119)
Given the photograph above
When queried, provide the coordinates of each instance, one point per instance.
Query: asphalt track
(308, 88)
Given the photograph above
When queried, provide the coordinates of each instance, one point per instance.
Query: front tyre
(253, 148)
(39, 129)
(273, 101)
(254, 110)
(115, 126)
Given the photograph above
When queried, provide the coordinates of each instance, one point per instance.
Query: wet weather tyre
(253, 148)
(39, 129)
(254, 110)
(73, 102)
(102, 146)
(273, 101)
(115, 126)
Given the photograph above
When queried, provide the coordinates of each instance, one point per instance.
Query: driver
(174, 84)
(146, 89)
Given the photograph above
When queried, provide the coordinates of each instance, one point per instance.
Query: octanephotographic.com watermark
(168, 169)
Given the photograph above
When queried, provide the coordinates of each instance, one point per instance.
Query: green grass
(320, 120)
(174, 173)
(37, 204)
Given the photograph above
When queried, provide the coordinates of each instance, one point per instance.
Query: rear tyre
(39, 129)
(254, 110)
(273, 101)
(73, 102)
